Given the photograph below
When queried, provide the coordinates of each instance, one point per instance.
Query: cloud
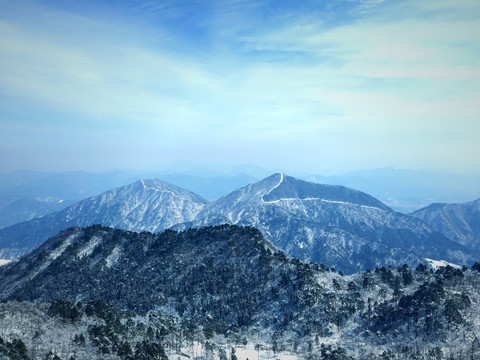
(249, 75)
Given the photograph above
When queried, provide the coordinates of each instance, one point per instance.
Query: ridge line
(276, 186)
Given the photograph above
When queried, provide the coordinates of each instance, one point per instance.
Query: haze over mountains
(334, 225)
(408, 190)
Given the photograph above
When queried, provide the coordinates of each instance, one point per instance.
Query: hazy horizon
(318, 87)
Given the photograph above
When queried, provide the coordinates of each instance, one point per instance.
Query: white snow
(55, 253)
(4, 261)
(89, 246)
(276, 186)
(435, 264)
(158, 190)
(196, 350)
(318, 199)
(59, 250)
(114, 256)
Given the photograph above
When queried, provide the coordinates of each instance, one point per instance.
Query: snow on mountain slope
(334, 225)
(329, 224)
(459, 222)
(146, 205)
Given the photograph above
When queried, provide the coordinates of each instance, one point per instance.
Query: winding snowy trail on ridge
(276, 186)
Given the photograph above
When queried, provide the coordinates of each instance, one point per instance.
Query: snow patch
(114, 256)
(59, 250)
(55, 254)
(89, 246)
(4, 261)
(435, 264)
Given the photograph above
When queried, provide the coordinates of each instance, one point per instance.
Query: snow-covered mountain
(334, 225)
(459, 222)
(102, 293)
(329, 224)
(146, 205)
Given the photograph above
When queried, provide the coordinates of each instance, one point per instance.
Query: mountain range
(330, 224)
(459, 222)
(408, 190)
(334, 225)
(28, 194)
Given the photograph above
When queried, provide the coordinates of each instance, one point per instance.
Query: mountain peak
(288, 188)
(158, 185)
(145, 205)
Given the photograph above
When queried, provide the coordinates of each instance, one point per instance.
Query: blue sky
(316, 86)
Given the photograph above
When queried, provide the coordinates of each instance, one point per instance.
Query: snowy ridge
(158, 190)
(319, 199)
(359, 316)
(458, 222)
(276, 186)
(333, 225)
(146, 205)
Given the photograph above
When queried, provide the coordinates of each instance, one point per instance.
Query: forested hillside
(102, 293)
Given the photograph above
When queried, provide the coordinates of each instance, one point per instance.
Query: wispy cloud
(344, 75)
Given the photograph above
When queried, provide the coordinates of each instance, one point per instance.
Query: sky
(315, 86)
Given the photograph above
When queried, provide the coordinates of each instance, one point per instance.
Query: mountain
(28, 194)
(146, 205)
(459, 222)
(329, 224)
(14, 209)
(408, 190)
(97, 292)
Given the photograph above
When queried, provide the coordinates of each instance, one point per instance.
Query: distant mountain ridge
(330, 224)
(14, 209)
(28, 194)
(146, 205)
(408, 190)
(459, 222)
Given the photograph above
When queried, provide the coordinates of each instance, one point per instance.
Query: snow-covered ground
(250, 351)
(4, 261)
(435, 264)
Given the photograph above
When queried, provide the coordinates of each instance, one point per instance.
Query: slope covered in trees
(105, 293)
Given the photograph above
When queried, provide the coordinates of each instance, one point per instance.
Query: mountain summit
(146, 205)
(330, 224)
(291, 189)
